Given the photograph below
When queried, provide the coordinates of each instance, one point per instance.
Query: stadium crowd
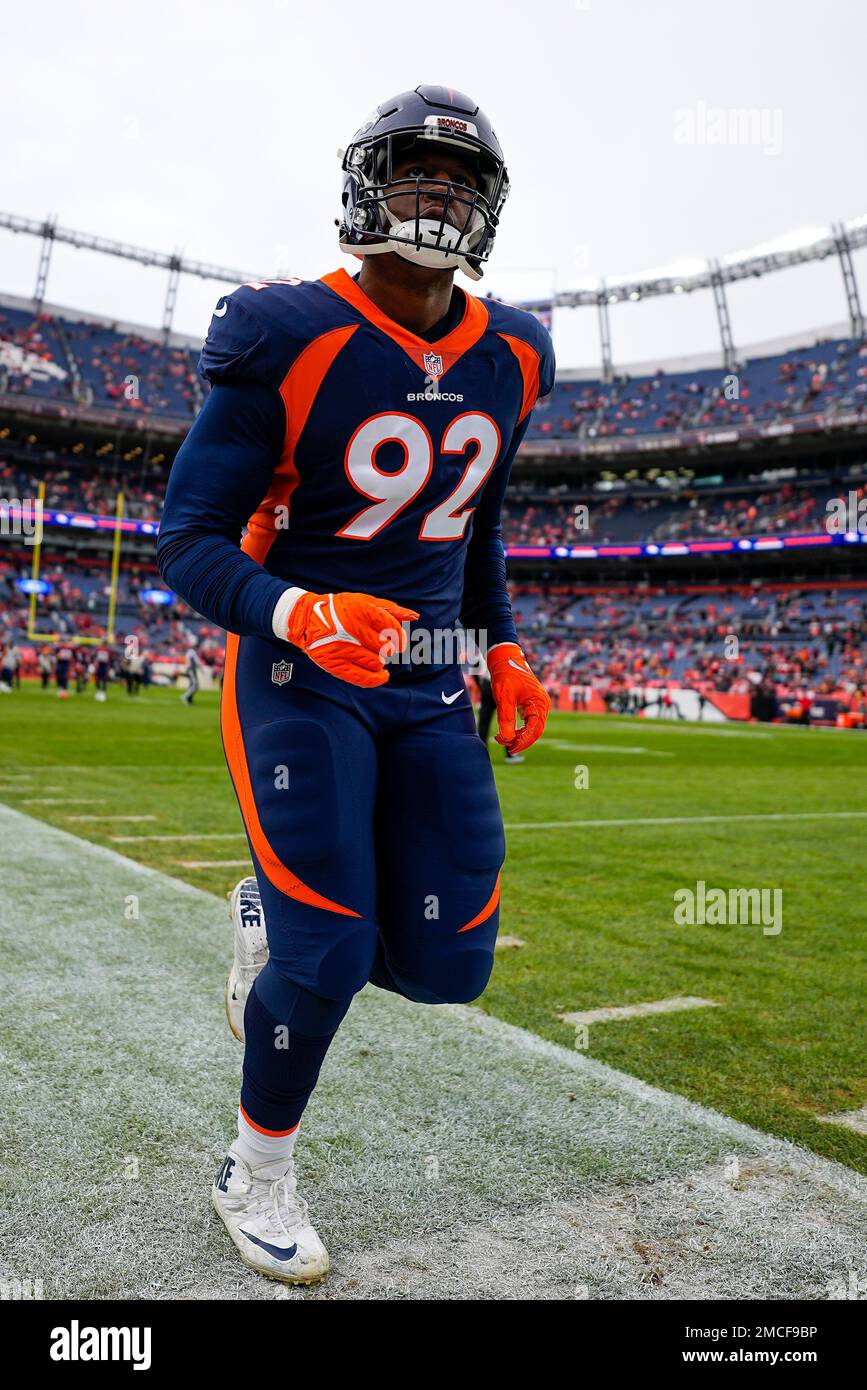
(732, 640)
(832, 376)
(729, 640)
(529, 517)
(64, 356)
(76, 609)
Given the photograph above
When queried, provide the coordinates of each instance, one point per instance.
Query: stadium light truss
(174, 263)
(685, 277)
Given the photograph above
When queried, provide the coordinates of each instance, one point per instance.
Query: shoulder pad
(257, 332)
(513, 322)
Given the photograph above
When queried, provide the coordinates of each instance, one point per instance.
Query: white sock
(257, 1149)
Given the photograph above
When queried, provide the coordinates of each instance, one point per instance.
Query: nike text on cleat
(250, 950)
(268, 1221)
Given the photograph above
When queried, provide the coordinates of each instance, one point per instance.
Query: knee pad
(296, 1007)
(457, 980)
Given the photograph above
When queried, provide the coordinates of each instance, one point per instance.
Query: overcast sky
(213, 127)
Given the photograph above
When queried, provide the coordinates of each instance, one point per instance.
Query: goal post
(77, 640)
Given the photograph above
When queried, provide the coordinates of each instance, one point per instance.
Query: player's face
(430, 167)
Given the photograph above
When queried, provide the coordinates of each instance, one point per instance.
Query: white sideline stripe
(203, 835)
(787, 1186)
(656, 1006)
(849, 1119)
(214, 863)
(101, 818)
(506, 942)
(836, 1175)
(685, 820)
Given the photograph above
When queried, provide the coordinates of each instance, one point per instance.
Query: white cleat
(268, 1221)
(251, 950)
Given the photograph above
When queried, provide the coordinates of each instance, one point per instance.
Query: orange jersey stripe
(236, 756)
(299, 390)
(450, 348)
(528, 361)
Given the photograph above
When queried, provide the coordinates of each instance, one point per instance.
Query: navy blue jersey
(359, 455)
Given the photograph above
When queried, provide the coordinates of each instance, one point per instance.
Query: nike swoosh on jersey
(221, 313)
(450, 699)
(275, 1250)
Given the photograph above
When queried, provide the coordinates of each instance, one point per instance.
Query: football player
(363, 428)
(101, 664)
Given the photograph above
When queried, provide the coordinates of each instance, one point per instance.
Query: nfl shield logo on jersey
(433, 364)
(281, 672)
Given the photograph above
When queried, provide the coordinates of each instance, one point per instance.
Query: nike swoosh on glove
(349, 635)
(515, 688)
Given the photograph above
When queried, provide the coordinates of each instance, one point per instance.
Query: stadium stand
(70, 421)
(49, 353)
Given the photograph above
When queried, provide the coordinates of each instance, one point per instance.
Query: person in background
(132, 669)
(7, 670)
(191, 671)
(15, 662)
(64, 656)
(101, 664)
(80, 670)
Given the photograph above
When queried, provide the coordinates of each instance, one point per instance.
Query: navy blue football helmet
(395, 129)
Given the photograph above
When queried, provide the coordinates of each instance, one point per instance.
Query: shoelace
(282, 1192)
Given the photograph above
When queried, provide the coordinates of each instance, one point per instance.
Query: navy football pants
(377, 840)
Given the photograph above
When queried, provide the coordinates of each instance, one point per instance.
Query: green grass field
(592, 903)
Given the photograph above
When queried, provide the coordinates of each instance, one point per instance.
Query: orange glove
(515, 687)
(349, 635)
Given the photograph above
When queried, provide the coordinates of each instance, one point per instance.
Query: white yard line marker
(662, 726)
(685, 820)
(8, 787)
(605, 748)
(101, 818)
(849, 1119)
(62, 801)
(214, 863)
(203, 835)
(124, 767)
(505, 943)
(656, 1006)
